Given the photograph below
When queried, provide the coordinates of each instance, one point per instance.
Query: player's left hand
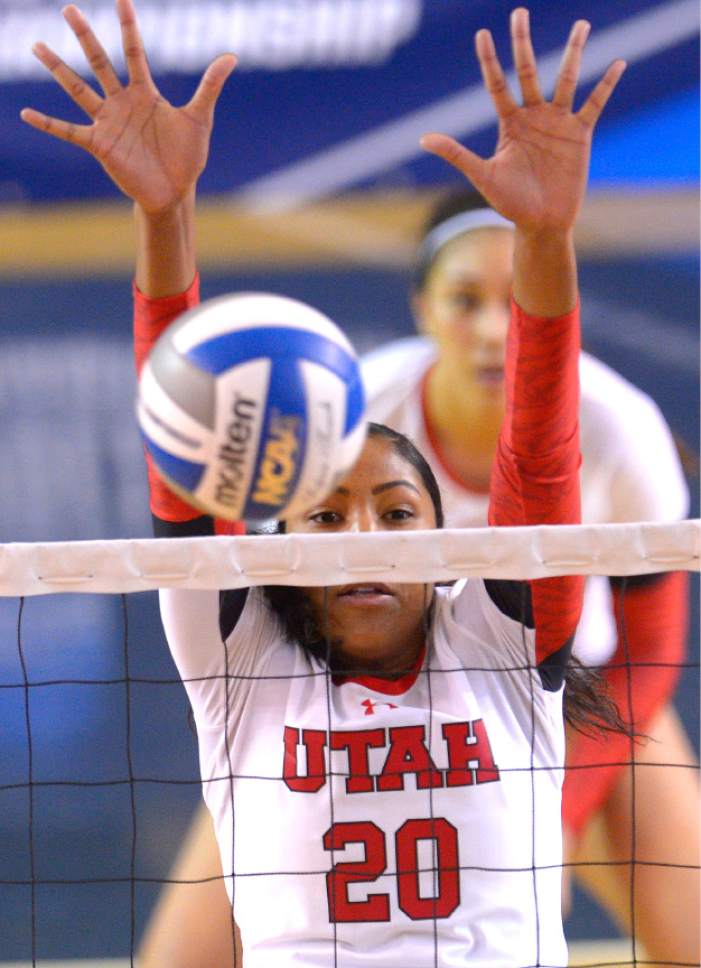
(537, 176)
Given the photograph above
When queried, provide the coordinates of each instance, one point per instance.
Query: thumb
(204, 99)
(466, 161)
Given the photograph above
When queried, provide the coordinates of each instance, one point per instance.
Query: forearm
(152, 315)
(165, 286)
(165, 249)
(545, 272)
(535, 476)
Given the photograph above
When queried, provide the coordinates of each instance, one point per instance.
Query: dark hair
(587, 706)
(412, 455)
(450, 204)
(403, 446)
(587, 703)
(291, 606)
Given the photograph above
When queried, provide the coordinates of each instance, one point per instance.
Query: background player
(518, 180)
(446, 392)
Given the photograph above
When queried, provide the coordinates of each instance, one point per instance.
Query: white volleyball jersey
(334, 803)
(630, 466)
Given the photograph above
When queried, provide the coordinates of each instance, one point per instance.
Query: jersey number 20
(438, 832)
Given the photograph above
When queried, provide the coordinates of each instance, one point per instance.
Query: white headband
(444, 232)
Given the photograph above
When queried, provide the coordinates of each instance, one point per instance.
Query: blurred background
(317, 188)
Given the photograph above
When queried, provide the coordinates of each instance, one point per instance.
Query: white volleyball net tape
(29, 779)
(333, 559)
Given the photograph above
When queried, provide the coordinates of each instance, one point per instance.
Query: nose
(492, 325)
(363, 519)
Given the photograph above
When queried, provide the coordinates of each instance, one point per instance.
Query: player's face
(372, 625)
(464, 306)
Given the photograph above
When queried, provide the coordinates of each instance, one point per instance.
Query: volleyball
(252, 407)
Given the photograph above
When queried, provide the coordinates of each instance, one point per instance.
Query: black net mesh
(99, 778)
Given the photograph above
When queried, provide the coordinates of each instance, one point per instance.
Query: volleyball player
(630, 472)
(445, 391)
(132, 133)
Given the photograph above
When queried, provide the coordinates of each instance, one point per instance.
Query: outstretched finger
(74, 85)
(568, 75)
(76, 134)
(94, 51)
(492, 73)
(132, 44)
(590, 112)
(524, 58)
(204, 99)
(466, 161)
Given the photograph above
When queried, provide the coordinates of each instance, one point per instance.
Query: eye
(398, 514)
(465, 300)
(325, 517)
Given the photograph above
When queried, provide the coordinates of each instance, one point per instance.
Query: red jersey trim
(387, 687)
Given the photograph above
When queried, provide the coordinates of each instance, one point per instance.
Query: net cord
(630, 712)
(333, 914)
(545, 551)
(435, 871)
(30, 784)
(230, 779)
(132, 789)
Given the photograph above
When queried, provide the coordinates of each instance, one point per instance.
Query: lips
(491, 374)
(365, 591)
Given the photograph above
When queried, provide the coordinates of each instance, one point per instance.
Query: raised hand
(153, 152)
(538, 173)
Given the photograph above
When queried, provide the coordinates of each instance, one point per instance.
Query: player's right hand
(153, 152)
(537, 175)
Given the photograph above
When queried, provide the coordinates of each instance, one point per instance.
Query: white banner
(183, 37)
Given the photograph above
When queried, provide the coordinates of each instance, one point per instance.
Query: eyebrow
(389, 484)
(383, 487)
(467, 278)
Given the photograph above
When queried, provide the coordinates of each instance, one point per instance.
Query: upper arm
(219, 671)
(498, 618)
(190, 620)
(231, 601)
(514, 599)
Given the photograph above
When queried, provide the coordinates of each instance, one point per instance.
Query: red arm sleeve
(535, 477)
(652, 620)
(151, 318)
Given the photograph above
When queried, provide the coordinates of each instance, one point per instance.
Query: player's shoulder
(256, 620)
(628, 450)
(399, 363)
(603, 385)
(468, 602)
(612, 402)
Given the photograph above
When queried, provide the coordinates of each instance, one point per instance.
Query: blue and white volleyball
(252, 406)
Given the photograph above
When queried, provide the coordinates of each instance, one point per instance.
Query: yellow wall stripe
(366, 229)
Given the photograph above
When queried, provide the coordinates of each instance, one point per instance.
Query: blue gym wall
(71, 465)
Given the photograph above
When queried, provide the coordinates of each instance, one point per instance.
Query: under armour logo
(370, 706)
